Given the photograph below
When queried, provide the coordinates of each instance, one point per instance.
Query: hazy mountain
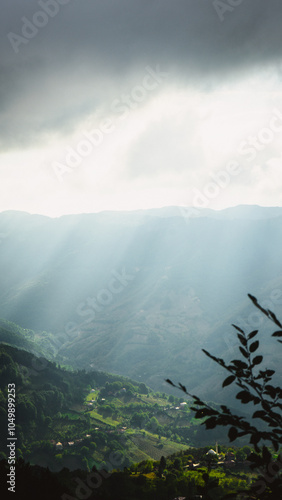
(140, 293)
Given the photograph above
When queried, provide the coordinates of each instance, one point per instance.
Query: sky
(136, 104)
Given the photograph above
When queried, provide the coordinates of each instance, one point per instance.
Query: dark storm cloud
(87, 52)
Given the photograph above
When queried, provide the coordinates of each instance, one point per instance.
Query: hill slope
(78, 419)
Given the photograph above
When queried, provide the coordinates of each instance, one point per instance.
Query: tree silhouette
(256, 388)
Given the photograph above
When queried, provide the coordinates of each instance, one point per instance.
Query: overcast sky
(129, 104)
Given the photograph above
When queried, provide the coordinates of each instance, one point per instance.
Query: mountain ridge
(257, 211)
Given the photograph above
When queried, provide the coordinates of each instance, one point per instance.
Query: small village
(212, 459)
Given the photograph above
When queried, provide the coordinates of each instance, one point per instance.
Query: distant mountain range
(141, 293)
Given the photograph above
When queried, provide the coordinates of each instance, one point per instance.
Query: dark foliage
(255, 388)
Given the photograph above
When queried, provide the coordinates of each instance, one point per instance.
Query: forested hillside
(76, 419)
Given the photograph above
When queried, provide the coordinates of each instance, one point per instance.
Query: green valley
(76, 419)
